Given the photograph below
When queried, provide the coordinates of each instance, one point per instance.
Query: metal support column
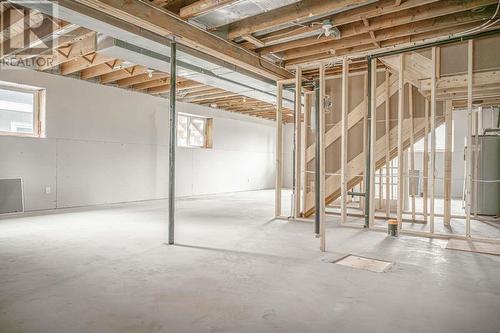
(172, 145)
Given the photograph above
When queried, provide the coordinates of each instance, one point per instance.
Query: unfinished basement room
(248, 166)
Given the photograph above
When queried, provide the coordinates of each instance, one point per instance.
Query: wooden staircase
(356, 165)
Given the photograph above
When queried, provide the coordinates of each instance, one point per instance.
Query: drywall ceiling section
(129, 33)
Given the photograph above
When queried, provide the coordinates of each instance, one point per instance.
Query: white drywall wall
(107, 145)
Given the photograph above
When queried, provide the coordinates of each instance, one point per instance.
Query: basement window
(194, 131)
(21, 110)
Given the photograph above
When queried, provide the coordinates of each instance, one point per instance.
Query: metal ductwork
(125, 41)
(193, 68)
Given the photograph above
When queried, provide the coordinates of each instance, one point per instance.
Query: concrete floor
(107, 270)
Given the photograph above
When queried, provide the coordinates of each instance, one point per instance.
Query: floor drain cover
(372, 265)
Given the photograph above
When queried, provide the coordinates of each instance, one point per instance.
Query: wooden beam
(71, 52)
(448, 162)
(476, 158)
(388, 175)
(56, 36)
(400, 198)
(296, 12)
(412, 180)
(460, 81)
(372, 34)
(321, 143)
(122, 73)
(255, 41)
(390, 44)
(297, 143)
(161, 22)
(84, 62)
(348, 21)
(426, 161)
(433, 141)
(152, 83)
(202, 7)
(373, 139)
(141, 78)
(354, 117)
(305, 143)
(343, 138)
(213, 97)
(279, 151)
(101, 69)
(355, 39)
(209, 92)
(468, 163)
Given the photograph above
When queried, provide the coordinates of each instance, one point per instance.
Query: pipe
(317, 199)
(172, 145)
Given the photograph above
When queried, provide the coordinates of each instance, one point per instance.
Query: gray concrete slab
(106, 269)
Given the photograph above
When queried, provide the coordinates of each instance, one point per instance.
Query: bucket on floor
(392, 228)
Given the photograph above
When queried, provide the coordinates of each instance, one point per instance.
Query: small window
(194, 132)
(20, 110)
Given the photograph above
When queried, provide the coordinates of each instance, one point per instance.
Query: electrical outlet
(48, 190)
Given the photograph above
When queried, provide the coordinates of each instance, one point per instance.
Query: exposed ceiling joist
(296, 12)
(412, 31)
(373, 10)
(164, 23)
(83, 62)
(100, 69)
(201, 7)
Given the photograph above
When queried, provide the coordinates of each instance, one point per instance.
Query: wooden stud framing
(426, 162)
(373, 141)
(305, 143)
(411, 179)
(388, 176)
(476, 159)
(380, 190)
(448, 162)
(321, 185)
(298, 125)
(433, 141)
(468, 191)
(279, 151)
(365, 130)
(343, 138)
(400, 141)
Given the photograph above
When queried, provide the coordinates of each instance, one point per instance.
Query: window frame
(207, 131)
(38, 109)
